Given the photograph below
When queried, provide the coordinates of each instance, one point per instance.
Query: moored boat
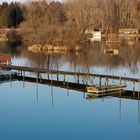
(104, 89)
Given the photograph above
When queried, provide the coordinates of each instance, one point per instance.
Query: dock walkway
(58, 72)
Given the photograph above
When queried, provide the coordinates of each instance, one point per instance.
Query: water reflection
(121, 95)
(91, 56)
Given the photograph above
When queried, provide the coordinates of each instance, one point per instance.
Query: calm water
(40, 112)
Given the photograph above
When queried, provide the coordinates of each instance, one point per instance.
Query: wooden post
(125, 79)
(48, 76)
(21, 72)
(100, 81)
(78, 79)
(106, 82)
(120, 80)
(57, 77)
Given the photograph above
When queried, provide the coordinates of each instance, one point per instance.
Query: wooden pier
(65, 73)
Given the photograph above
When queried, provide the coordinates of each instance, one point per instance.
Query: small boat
(104, 89)
(113, 93)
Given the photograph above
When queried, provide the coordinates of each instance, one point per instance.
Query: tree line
(54, 22)
(11, 15)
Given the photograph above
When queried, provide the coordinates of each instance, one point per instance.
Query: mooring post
(106, 82)
(57, 77)
(78, 79)
(120, 80)
(48, 76)
(92, 81)
(100, 81)
(21, 73)
(40, 77)
(125, 79)
(83, 85)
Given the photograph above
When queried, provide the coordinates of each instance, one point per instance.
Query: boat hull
(104, 89)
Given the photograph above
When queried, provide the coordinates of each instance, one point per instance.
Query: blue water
(41, 112)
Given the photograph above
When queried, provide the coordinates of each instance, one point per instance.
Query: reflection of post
(37, 87)
(125, 79)
(10, 80)
(67, 88)
(84, 86)
(24, 79)
(52, 94)
(84, 95)
(48, 76)
(138, 111)
(120, 109)
(134, 89)
(48, 62)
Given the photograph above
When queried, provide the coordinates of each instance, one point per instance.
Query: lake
(33, 111)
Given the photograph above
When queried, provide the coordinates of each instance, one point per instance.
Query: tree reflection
(91, 56)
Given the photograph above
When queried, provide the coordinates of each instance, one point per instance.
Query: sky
(1, 1)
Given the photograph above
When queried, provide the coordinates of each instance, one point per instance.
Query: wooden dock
(7, 75)
(65, 73)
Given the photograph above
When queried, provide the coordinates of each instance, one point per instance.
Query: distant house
(5, 59)
(129, 32)
(93, 34)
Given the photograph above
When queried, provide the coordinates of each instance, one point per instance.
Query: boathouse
(93, 34)
(5, 59)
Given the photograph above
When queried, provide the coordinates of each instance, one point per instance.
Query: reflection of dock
(62, 84)
(80, 87)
